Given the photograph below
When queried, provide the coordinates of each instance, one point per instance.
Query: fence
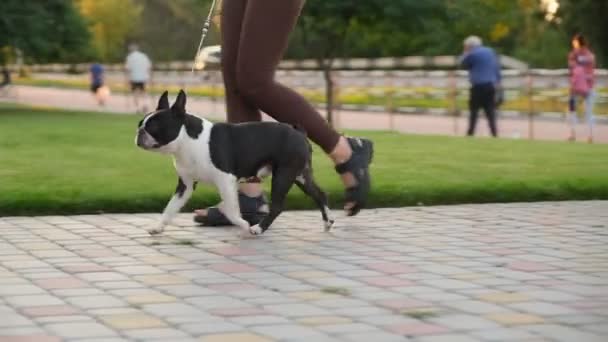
(529, 93)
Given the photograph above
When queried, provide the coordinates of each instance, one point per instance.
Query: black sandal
(358, 166)
(250, 211)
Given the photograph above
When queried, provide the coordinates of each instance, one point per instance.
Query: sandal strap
(358, 166)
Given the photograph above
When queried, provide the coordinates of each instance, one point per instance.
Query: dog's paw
(328, 224)
(156, 231)
(246, 234)
(255, 230)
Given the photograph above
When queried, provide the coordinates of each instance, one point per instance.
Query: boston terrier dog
(223, 154)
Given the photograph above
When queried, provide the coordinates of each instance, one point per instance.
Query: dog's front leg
(183, 191)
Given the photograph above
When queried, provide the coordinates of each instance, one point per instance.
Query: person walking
(485, 77)
(581, 63)
(139, 70)
(97, 87)
(254, 36)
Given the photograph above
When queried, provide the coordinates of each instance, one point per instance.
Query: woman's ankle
(342, 152)
(251, 189)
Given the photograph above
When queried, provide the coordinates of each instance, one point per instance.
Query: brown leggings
(255, 34)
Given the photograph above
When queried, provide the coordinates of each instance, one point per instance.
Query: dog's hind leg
(228, 189)
(282, 180)
(307, 184)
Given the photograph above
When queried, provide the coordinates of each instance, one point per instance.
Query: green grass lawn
(58, 162)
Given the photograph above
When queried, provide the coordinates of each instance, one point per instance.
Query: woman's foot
(352, 157)
(253, 209)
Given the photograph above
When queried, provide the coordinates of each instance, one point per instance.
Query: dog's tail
(303, 131)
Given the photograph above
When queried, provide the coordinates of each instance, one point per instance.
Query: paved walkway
(497, 272)
(417, 124)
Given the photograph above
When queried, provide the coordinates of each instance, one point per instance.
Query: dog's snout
(139, 140)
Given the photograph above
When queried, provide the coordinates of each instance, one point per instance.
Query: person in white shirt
(138, 68)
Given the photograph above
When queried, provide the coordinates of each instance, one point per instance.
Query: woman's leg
(572, 117)
(264, 37)
(238, 109)
(589, 101)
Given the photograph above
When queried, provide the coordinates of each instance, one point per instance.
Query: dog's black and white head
(160, 129)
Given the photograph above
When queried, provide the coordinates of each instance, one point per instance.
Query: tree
(111, 22)
(589, 18)
(170, 30)
(326, 28)
(44, 30)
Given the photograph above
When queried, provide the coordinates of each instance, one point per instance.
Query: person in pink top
(581, 63)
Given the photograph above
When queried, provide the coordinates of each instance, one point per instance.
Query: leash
(203, 34)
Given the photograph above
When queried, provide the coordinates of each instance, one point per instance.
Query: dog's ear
(163, 102)
(179, 107)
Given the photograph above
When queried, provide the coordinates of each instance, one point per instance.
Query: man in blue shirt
(484, 75)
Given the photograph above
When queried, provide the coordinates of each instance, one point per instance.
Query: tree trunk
(329, 92)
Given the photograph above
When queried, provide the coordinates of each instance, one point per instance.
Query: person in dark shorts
(138, 68)
(254, 37)
(97, 82)
(140, 86)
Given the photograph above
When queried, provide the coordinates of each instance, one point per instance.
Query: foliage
(170, 30)
(111, 22)
(44, 30)
(588, 17)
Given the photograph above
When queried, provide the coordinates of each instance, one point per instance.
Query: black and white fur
(223, 154)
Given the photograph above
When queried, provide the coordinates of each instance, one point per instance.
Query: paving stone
(171, 309)
(13, 319)
(61, 283)
(235, 337)
(258, 320)
(162, 279)
(132, 321)
(503, 334)
(562, 333)
(64, 319)
(159, 334)
(323, 320)
(95, 302)
(372, 336)
(150, 299)
(79, 330)
(448, 338)
(102, 276)
(77, 292)
(494, 272)
(509, 319)
(216, 302)
(34, 337)
(209, 328)
(416, 329)
(33, 300)
(53, 310)
(541, 308)
(344, 328)
(19, 289)
(503, 297)
(463, 322)
(288, 331)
